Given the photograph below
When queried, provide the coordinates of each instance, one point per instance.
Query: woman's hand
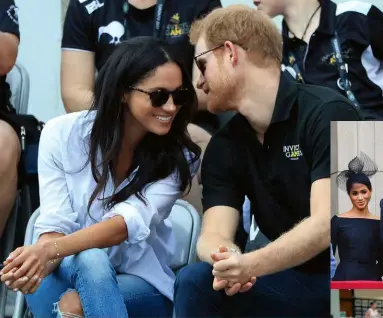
(24, 268)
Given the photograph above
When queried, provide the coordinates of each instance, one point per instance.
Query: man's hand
(231, 287)
(233, 267)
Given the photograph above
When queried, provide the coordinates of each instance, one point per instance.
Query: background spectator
(313, 30)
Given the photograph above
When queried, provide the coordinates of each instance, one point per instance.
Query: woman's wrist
(50, 247)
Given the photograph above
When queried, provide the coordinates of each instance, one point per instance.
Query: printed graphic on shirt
(114, 30)
(293, 152)
(176, 28)
(92, 6)
(13, 13)
(330, 59)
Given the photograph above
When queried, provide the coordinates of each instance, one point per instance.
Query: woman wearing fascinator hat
(356, 233)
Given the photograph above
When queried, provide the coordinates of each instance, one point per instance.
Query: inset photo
(357, 205)
(357, 303)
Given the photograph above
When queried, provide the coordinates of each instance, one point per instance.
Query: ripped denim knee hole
(59, 314)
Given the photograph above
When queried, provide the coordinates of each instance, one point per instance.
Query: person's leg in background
(142, 299)
(9, 160)
(91, 288)
(194, 295)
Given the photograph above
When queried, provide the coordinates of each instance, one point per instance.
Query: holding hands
(24, 268)
(231, 272)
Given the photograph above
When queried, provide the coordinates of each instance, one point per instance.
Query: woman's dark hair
(157, 156)
(360, 178)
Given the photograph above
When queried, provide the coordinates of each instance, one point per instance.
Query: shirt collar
(327, 23)
(286, 97)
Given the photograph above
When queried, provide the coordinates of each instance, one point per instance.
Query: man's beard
(221, 93)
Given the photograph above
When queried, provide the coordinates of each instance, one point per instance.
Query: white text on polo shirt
(292, 152)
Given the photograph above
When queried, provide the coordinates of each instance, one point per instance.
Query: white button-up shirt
(66, 184)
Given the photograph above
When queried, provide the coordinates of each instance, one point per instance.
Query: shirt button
(303, 48)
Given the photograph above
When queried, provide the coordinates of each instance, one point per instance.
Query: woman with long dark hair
(356, 233)
(108, 180)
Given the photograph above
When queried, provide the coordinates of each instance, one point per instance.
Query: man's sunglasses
(202, 64)
(160, 96)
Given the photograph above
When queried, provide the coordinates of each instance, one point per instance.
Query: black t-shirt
(9, 23)
(359, 26)
(277, 175)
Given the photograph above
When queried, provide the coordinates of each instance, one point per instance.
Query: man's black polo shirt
(277, 175)
(360, 29)
(9, 23)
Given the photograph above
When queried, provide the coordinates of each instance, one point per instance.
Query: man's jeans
(285, 294)
(102, 292)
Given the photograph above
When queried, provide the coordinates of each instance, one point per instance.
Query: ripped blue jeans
(103, 293)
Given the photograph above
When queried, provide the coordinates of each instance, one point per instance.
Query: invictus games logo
(292, 152)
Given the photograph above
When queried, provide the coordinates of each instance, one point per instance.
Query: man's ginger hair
(248, 28)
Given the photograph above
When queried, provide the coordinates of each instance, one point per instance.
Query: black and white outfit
(98, 25)
(354, 30)
(9, 23)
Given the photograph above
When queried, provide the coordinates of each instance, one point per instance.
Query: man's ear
(233, 52)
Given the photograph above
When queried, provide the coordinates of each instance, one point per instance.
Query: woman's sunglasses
(160, 96)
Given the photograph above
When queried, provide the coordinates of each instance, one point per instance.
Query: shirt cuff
(137, 229)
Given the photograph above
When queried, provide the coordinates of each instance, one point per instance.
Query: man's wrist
(251, 261)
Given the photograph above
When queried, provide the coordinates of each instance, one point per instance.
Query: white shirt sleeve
(56, 213)
(160, 198)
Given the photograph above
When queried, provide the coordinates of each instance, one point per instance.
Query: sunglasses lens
(159, 98)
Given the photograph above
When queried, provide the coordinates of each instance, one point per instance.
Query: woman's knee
(70, 305)
(94, 265)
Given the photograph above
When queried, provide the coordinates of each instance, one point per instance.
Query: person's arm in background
(77, 59)
(9, 35)
(375, 22)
